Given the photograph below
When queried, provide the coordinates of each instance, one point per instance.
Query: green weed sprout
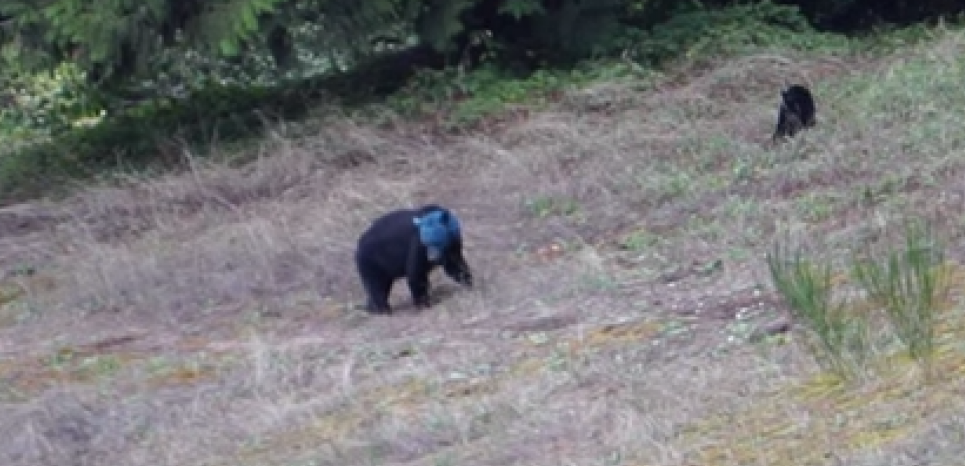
(909, 283)
(838, 340)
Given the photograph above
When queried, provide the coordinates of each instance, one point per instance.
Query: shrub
(696, 32)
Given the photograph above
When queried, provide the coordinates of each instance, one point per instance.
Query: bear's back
(392, 227)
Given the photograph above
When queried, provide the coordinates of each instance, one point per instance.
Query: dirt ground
(618, 240)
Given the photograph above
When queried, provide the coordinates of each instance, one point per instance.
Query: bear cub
(409, 243)
(796, 112)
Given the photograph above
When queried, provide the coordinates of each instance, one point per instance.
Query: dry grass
(206, 319)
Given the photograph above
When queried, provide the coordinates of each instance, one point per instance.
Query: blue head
(437, 230)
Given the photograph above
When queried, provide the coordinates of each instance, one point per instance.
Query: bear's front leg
(458, 269)
(417, 270)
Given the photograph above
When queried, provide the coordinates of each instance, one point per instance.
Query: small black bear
(409, 243)
(796, 112)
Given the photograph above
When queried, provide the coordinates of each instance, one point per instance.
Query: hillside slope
(619, 240)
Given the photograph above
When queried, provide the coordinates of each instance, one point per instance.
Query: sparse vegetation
(911, 285)
(839, 337)
(908, 285)
(619, 216)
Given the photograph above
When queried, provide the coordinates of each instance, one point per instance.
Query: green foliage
(229, 24)
(699, 32)
(124, 36)
(193, 95)
(543, 207)
(907, 285)
(120, 37)
(441, 23)
(514, 29)
(133, 137)
(578, 30)
(910, 284)
(463, 99)
(42, 105)
(838, 338)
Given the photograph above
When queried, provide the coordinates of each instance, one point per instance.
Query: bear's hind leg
(377, 287)
(377, 293)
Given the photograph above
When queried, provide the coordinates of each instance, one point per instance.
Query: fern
(225, 26)
(110, 32)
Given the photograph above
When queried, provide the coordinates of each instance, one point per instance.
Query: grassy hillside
(619, 236)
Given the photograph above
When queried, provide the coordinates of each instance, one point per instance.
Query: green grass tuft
(910, 284)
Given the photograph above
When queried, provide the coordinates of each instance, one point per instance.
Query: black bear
(409, 243)
(796, 112)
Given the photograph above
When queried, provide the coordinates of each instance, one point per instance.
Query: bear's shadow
(438, 295)
(402, 302)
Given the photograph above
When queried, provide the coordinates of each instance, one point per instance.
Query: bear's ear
(454, 226)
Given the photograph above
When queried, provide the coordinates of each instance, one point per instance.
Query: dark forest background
(90, 86)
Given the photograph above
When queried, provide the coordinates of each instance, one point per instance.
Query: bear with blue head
(409, 243)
